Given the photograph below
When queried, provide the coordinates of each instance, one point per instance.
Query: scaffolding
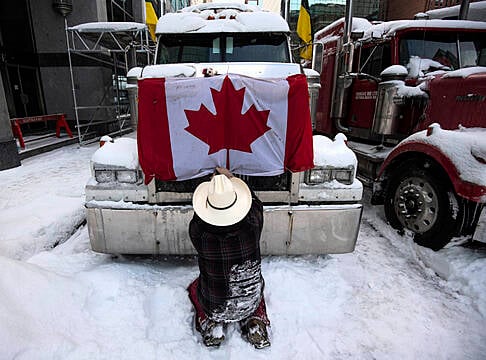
(116, 45)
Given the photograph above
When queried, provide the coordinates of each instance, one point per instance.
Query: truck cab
(405, 93)
(426, 48)
(308, 212)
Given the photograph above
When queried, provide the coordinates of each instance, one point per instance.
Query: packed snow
(389, 299)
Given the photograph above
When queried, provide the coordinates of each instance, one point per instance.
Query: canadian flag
(251, 126)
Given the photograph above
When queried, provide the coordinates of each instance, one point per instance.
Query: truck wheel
(423, 203)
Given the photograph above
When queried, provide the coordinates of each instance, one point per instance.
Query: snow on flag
(189, 126)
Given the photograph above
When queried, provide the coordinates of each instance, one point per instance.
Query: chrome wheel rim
(416, 204)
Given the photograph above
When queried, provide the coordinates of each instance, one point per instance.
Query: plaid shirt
(230, 281)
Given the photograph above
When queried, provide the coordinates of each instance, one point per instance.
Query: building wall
(50, 38)
(92, 80)
(399, 9)
(9, 156)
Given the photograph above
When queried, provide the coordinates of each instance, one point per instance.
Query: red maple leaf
(228, 128)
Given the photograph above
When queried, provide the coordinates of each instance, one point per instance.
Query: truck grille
(256, 183)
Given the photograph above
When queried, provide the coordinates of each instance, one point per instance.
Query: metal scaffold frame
(119, 45)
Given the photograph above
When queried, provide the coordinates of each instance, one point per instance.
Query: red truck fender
(410, 148)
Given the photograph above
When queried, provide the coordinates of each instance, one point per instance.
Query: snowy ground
(384, 301)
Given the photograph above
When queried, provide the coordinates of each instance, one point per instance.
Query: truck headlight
(319, 175)
(127, 176)
(344, 176)
(104, 176)
(112, 175)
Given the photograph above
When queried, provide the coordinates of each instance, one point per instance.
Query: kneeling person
(225, 230)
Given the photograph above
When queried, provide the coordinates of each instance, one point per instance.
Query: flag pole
(304, 30)
(227, 159)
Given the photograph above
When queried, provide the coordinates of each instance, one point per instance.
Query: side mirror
(317, 50)
(356, 35)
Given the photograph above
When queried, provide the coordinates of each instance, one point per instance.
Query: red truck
(410, 95)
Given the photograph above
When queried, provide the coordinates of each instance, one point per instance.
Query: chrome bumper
(287, 230)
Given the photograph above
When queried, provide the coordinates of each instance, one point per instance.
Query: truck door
(373, 60)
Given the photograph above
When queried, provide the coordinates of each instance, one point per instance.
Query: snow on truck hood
(464, 147)
(333, 153)
(123, 152)
(260, 70)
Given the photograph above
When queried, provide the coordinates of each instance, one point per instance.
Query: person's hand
(224, 171)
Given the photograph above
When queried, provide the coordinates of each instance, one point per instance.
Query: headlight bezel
(343, 175)
(121, 175)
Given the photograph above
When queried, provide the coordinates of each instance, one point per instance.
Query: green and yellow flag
(150, 18)
(304, 30)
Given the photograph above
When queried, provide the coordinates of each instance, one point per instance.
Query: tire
(420, 198)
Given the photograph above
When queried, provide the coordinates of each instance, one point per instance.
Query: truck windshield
(236, 47)
(441, 50)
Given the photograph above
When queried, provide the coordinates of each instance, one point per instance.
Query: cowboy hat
(222, 201)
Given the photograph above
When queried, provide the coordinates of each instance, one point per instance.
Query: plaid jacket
(230, 281)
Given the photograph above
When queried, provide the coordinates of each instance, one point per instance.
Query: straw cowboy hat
(222, 201)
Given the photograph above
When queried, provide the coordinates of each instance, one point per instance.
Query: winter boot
(256, 333)
(211, 331)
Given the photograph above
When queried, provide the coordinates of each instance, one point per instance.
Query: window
(175, 49)
(244, 47)
(472, 49)
(375, 59)
(436, 50)
(439, 50)
(257, 47)
(119, 10)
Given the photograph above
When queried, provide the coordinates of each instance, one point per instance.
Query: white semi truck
(316, 211)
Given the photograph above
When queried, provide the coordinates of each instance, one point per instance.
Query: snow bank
(369, 304)
(42, 200)
(383, 301)
(29, 296)
(464, 271)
